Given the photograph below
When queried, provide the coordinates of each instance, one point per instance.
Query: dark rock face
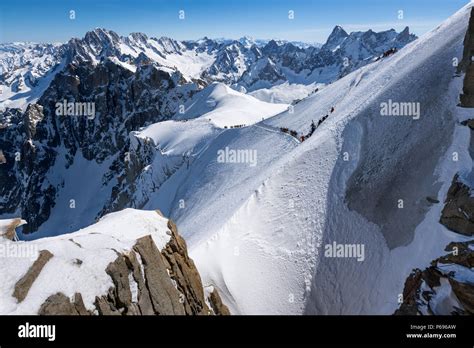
(410, 293)
(465, 293)
(469, 123)
(18, 154)
(33, 142)
(458, 213)
(23, 286)
(466, 65)
(147, 282)
(422, 292)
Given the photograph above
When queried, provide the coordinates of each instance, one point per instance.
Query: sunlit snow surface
(258, 233)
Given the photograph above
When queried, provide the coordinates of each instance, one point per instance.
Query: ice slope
(96, 246)
(258, 234)
(225, 107)
(81, 194)
(286, 92)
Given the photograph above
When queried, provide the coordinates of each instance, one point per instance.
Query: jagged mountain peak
(405, 35)
(103, 35)
(140, 37)
(272, 43)
(337, 36)
(271, 47)
(338, 32)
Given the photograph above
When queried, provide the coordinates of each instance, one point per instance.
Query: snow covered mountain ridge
(22, 64)
(326, 168)
(135, 81)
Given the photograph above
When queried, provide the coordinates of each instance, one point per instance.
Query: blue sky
(48, 20)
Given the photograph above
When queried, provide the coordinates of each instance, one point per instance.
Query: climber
(313, 128)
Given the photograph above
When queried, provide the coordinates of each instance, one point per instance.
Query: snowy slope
(96, 246)
(286, 92)
(225, 107)
(180, 137)
(273, 220)
(207, 183)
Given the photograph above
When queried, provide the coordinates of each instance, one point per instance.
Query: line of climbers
(236, 126)
(387, 53)
(313, 127)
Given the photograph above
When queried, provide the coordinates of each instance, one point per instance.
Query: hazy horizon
(312, 22)
(200, 38)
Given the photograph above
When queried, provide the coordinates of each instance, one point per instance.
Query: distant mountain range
(251, 64)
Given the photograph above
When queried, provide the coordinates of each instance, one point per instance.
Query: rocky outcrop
(410, 294)
(165, 298)
(147, 281)
(469, 123)
(445, 287)
(8, 230)
(59, 304)
(217, 305)
(3, 160)
(22, 287)
(184, 273)
(458, 212)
